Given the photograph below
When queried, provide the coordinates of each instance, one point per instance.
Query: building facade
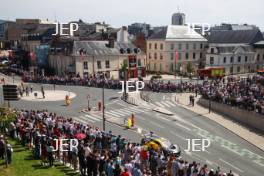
(235, 50)
(171, 49)
(89, 58)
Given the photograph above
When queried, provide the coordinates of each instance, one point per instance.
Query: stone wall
(249, 118)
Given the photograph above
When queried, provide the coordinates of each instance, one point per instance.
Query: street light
(103, 104)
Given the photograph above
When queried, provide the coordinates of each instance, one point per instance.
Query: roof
(235, 36)
(177, 32)
(99, 47)
(231, 49)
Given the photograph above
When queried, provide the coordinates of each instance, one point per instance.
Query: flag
(82, 55)
(176, 56)
(32, 56)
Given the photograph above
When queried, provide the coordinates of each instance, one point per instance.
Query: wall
(249, 118)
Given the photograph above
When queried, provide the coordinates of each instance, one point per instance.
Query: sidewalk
(236, 128)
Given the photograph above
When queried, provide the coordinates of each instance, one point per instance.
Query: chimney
(111, 43)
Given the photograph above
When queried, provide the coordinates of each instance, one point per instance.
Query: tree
(189, 67)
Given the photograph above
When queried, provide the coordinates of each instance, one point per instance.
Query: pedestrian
(43, 92)
(9, 151)
(50, 149)
(31, 88)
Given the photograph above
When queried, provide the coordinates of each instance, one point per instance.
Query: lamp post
(103, 105)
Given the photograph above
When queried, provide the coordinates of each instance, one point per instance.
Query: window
(193, 55)
(160, 67)
(85, 65)
(194, 46)
(187, 55)
(172, 56)
(172, 46)
(201, 55)
(155, 55)
(179, 54)
(161, 56)
(258, 57)
(155, 46)
(107, 64)
(155, 67)
(246, 58)
(224, 61)
(239, 59)
(149, 55)
(180, 46)
(238, 69)
(149, 45)
(263, 57)
(231, 59)
(187, 46)
(231, 70)
(212, 50)
(171, 67)
(201, 46)
(211, 60)
(99, 66)
(139, 63)
(161, 46)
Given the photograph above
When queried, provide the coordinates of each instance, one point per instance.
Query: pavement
(50, 95)
(227, 150)
(182, 99)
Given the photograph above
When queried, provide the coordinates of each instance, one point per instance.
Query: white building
(234, 50)
(164, 43)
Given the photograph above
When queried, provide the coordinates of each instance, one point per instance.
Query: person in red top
(125, 173)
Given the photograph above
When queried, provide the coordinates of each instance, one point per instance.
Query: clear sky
(124, 12)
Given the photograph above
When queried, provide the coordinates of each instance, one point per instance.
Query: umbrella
(80, 136)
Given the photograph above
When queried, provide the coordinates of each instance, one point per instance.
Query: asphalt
(227, 150)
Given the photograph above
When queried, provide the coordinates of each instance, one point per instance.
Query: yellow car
(155, 142)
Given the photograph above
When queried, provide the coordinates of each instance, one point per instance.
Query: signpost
(88, 100)
(10, 93)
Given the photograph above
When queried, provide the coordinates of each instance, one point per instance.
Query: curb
(183, 106)
(169, 114)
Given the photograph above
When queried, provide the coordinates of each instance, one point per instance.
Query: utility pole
(103, 105)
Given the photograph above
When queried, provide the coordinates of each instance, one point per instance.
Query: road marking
(231, 165)
(164, 97)
(170, 103)
(180, 125)
(159, 104)
(121, 104)
(165, 104)
(173, 133)
(93, 118)
(117, 114)
(111, 114)
(85, 119)
(156, 124)
(160, 117)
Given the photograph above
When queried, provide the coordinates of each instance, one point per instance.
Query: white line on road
(159, 104)
(160, 117)
(156, 124)
(180, 125)
(173, 133)
(91, 117)
(111, 114)
(231, 165)
(85, 119)
(165, 104)
(170, 103)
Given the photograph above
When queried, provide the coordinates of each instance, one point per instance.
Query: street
(227, 150)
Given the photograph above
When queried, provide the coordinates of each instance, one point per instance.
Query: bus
(211, 72)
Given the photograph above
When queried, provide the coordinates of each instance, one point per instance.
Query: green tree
(189, 67)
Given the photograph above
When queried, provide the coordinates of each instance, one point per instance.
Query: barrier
(249, 118)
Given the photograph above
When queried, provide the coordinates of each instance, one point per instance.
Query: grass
(23, 164)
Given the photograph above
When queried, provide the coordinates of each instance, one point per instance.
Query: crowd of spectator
(98, 152)
(245, 93)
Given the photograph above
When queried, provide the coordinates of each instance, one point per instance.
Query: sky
(124, 12)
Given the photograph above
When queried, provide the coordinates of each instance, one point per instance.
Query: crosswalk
(113, 115)
(164, 104)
